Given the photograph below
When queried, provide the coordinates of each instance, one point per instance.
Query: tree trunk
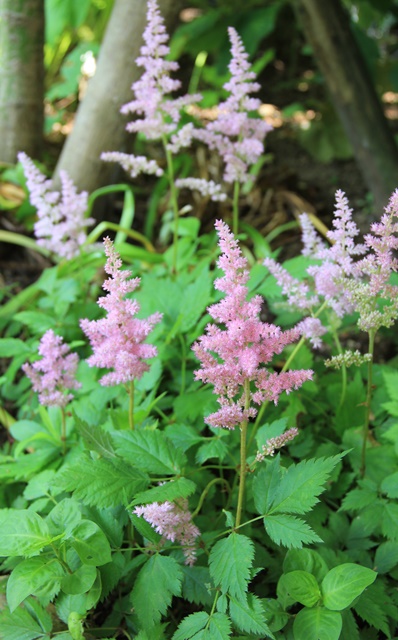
(99, 126)
(21, 77)
(326, 26)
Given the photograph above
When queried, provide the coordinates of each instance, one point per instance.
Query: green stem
(242, 475)
(235, 208)
(131, 405)
(365, 432)
(103, 226)
(206, 491)
(23, 241)
(343, 371)
(63, 430)
(173, 200)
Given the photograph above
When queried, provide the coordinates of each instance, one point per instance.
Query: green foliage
(230, 563)
(344, 583)
(157, 582)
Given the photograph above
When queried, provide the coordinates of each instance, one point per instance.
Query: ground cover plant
(177, 463)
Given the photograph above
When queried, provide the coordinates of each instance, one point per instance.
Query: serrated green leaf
(156, 584)
(386, 557)
(289, 531)
(230, 563)
(214, 448)
(191, 625)
(90, 543)
(196, 585)
(350, 628)
(344, 583)
(301, 484)
(219, 627)
(101, 483)
(372, 609)
(358, 499)
(95, 438)
(19, 625)
(302, 587)
(390, 485)
(265, 485)
(22, 533)
(317, 624)
(178, 488)
(389, 521)
(29, 576)
(249, 616)
(150, 451)
(183, 436)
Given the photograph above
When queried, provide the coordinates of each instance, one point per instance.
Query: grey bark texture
(327, 29)
(21, 78)
(98, 125)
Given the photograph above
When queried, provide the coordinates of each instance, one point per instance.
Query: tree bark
(99, 126)
(21, 77)
(326, 26)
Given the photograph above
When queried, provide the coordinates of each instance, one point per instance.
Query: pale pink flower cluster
(118, 339)
(160, 114)
(61, 224)
(350, 276)
(374, 297)
(208, 188)
(237, 137)
(234, 356)
(173, 521)
(326, 281)
(269, 448)
(54, 375)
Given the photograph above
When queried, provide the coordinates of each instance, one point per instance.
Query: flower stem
(131, 405)
(243, 448)
(173, 200)
(235, 208)
(183, 363)
(365, 432)
(343, 371)
(206, 491)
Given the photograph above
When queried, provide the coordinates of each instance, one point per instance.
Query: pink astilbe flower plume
(61, 224)
(173, 521)
(375, 269)
(236, 136)
(236, 355)
(160, 114)
(118, 339)
(54, 375)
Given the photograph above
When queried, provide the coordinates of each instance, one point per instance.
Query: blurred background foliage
(271, 33)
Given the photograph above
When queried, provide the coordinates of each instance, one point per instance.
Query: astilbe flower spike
(53, 376)
(61, 224)
(328, 282)
(160, 114)
(173, 521)
(118, 339)
(375, 269)
(236, 136)
(236, 356)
